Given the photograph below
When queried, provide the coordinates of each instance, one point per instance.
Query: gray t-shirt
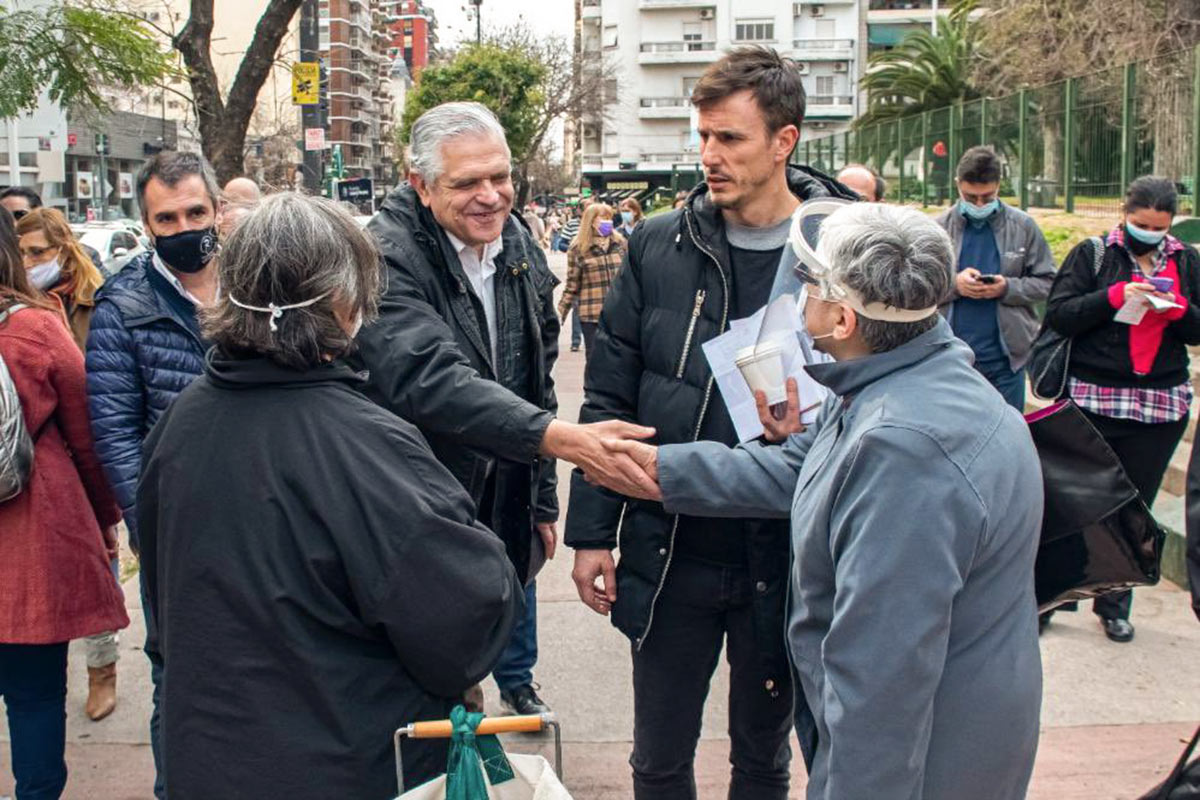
(755, 254)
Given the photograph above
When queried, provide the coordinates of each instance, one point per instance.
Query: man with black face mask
(145, 345)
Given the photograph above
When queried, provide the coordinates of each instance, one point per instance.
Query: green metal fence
(1072, 145)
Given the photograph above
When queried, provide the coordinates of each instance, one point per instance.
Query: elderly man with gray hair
(465, 344)
(915, 504)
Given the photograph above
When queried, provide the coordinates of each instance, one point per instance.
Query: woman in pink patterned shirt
(1130, 324)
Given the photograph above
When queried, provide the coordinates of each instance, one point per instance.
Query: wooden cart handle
(441, 729)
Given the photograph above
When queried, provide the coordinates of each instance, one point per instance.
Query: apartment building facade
(354, 40)
(661, 47)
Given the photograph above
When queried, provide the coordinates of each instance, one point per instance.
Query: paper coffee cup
(762, 367)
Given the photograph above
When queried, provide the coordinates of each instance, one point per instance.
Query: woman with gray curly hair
(314, 575)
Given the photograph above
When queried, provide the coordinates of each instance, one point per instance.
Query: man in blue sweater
(1003, 271)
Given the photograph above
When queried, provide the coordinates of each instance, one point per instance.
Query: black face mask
(1137, 246)
(189, 251)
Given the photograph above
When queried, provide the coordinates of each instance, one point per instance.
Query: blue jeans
(576, 328)
(33, 683)
(1010, 385)
(156, 676)
(516, 662)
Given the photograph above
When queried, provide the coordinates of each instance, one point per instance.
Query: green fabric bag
(471, 757)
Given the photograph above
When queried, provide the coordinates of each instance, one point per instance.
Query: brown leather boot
(102, 692)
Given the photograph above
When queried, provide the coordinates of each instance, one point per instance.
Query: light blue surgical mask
(978, 213)
(44, 275)
(627, 217)
(1143, 235)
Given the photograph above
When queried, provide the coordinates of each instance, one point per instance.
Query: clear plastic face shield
(811, 271)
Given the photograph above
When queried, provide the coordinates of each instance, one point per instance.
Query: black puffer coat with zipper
(672, 295)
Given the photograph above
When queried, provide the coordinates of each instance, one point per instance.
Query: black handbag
(1050, 357)
(1184, 781)
(1098, 535)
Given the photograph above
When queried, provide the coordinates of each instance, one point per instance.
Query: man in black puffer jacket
(687, 585)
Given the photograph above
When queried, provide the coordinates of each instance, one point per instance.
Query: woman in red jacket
(55, 536)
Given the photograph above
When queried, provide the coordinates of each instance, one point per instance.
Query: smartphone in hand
(988, 279)
(1161, 284)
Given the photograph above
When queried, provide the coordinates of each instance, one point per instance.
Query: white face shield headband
(813, 267)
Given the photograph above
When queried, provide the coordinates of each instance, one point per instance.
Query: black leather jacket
(430, 362)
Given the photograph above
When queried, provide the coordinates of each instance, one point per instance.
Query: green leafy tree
(925, 71)
(71, 53)
(508, 80)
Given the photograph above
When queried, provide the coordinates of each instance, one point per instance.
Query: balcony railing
(677, 52)
(665, 102)
(830, 100)
(823, 44)
(677, 47)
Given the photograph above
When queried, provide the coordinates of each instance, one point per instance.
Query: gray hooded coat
(916, 505)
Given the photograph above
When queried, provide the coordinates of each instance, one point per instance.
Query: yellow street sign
(306, 83)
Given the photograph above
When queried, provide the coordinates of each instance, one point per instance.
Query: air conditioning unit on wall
(708, 13)
(841, 66)
(818, 11)
(802, 67)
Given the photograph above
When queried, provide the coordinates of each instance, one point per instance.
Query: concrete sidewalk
(1115, 717)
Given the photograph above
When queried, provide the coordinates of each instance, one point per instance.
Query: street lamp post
(478, 21)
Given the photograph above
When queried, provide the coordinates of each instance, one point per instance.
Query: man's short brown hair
(772, 79)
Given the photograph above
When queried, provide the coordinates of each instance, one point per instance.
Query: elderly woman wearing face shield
(916, 506)
(314, 575)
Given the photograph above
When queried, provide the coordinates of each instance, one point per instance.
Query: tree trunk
(223, 122)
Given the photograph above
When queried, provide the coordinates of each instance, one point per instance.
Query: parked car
(115, 242)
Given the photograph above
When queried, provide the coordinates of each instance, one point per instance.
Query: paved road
(1113, 715)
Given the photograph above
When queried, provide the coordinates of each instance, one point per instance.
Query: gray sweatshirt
(916, 506)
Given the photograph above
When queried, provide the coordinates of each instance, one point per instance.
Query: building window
(610, 91)
(689, 86)
(824, 85)
(610, 35)
(754, 30)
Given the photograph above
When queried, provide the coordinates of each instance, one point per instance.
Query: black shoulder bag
(1050, 358)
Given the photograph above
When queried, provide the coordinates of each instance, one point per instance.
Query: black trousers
(589, 337)
(1145, 452)
(701, 607)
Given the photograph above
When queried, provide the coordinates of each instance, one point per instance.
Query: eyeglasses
(35, 253)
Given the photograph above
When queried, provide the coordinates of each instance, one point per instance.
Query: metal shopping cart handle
(443, 729)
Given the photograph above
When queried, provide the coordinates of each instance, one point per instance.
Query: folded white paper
(722, 351)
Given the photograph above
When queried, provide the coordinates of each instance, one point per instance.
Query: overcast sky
(544, 16)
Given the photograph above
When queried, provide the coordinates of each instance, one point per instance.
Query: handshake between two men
(613, 454)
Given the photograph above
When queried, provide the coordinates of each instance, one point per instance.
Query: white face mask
(804, 318)
(44, 275)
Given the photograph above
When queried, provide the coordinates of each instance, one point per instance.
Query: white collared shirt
(173, 279)
(481, 274)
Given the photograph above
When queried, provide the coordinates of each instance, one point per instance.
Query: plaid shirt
(589, 278)
(1148, 406)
